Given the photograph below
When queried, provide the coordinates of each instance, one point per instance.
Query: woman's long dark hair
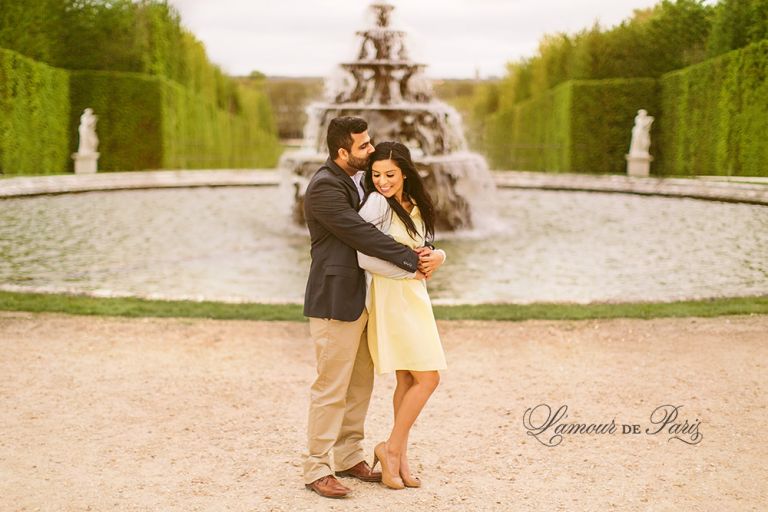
(413, 187)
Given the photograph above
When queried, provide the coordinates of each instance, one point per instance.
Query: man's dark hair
(340, 132)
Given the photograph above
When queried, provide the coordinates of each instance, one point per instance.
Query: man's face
(361, 151)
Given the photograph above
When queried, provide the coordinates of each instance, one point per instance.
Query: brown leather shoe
(361, 471)
(328, 487)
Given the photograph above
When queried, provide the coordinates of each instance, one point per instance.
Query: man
(335, 304)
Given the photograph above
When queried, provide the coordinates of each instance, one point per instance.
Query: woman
(402, 333)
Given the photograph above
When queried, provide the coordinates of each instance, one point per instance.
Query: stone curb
(69, 183)
(709, 188)
(713, 188)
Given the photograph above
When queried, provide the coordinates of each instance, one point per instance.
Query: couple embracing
(370, 222)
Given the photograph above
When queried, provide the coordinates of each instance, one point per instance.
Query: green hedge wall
(196, 134)
(716, 116)
(533, 135)
(578, 126)
(148, 122)
(711, 119)
(602, 116)
(128, 106)
(34, 116)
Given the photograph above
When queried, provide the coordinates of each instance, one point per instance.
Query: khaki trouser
(339, 396)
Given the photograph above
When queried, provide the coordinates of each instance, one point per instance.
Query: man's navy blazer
(336, 284)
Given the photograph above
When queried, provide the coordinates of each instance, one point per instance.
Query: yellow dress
(402, 333)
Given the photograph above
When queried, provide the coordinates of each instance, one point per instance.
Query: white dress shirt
(358, 179)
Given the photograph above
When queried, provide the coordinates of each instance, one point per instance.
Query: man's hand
(429, 260)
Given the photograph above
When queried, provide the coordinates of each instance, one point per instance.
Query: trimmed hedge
(34, 116)
(578, 126)
(148, 122)
(145, 122)
(711, 119)
(196, 134)
(535, 134)
(128, 106)
(716, 116)
(602, 118)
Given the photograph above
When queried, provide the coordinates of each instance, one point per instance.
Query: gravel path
(187, 415)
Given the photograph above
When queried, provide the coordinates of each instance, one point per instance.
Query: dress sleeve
(377, 211)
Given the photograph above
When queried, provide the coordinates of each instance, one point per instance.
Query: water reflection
(240, 243)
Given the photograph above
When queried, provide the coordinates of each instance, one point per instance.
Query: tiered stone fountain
(387, 89)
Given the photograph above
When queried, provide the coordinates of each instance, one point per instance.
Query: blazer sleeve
(377, 211)
(328, 203)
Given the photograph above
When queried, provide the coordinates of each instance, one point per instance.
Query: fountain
(387, 89)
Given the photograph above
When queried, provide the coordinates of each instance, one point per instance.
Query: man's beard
(358, 163)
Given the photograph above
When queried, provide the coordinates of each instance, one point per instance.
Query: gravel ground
(187, 415)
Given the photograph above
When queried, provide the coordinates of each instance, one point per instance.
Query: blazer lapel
(352, 194)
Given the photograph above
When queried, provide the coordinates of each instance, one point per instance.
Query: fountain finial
(382, 10)
(383, 73)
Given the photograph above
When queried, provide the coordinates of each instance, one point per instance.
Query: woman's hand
(429, 260)
(420, 276)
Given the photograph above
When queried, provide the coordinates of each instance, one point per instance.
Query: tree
(738, 23)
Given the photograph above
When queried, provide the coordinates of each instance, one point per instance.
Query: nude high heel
(410, 481)
(380, 454)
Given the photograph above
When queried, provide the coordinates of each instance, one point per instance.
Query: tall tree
(738, 23)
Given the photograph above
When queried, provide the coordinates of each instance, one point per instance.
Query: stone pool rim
(741, 189)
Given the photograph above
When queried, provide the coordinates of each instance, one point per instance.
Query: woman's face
(387, 178)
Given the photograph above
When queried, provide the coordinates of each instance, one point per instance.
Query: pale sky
(453, 37)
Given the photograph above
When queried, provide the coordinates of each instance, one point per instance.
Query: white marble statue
(639, 159)
(641, 134)
(87, 158)
(89, 142)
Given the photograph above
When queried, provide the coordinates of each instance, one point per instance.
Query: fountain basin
(239, 244)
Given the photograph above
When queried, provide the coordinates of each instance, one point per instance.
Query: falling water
(389, 90)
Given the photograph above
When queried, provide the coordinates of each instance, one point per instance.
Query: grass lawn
(81, 305)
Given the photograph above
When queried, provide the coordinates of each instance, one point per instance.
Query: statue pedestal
(85, 163)
(639, 164)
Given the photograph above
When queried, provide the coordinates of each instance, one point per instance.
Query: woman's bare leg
(404, 383)
(410, 406)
